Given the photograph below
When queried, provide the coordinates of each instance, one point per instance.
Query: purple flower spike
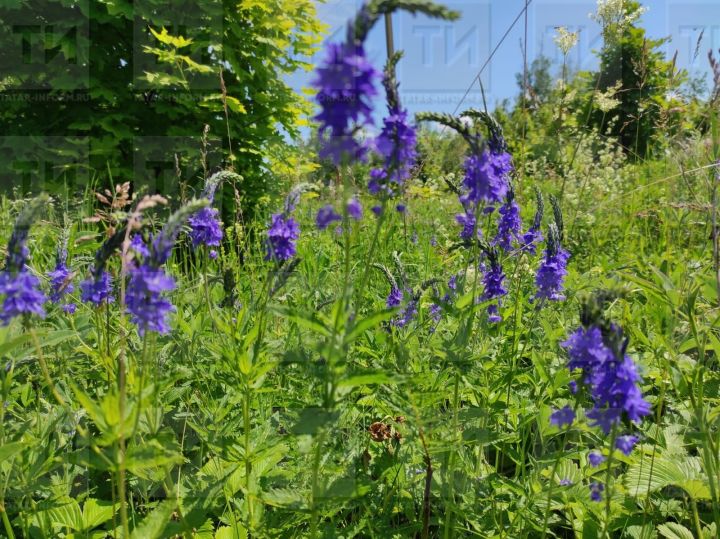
(281, 237)
(610, 375)
(626, 443)
(205, 228)
(147, 307)
(397, 144)
(22, 296)
(60, 283)
(596, 490)
(346, 85)
(486, 177)
(595, 459)
(509, 225)
(325, 216)
(551, 274)
(97, 289)
(354, 209)
(395, 298)
(563, 416)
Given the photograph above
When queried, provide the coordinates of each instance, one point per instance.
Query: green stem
(608, 482)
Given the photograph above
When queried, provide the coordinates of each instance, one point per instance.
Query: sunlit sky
(442, 58)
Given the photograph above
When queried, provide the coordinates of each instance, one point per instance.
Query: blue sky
(442, 58)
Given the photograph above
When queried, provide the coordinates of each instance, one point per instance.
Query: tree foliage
(121, 87)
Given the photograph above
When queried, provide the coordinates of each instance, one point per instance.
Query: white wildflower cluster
(614, 12)
(565, 40)
(606, 101)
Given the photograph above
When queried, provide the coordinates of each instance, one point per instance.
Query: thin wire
(492, 54)
(477, 77)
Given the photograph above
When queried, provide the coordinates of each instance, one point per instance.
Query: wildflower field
(493, 323)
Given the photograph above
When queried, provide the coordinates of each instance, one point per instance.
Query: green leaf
(96, 512)
(686, 473)
(365, 380)
(67, 515)
(11, 449)
(306, 320)
(673, 530)
(369, 322)
(231, 532)
(153, 525)
(282, 497)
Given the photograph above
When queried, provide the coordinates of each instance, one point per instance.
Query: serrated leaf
(686, 473)
(282, 497)
(153, 525)
(673, 530)
(96, 512)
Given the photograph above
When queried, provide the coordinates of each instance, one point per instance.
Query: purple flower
(467, 221)
(551, 274)
(435, 312)
(325, 216)
(573, 386)
(377, 210)
(60, 283)
(138, 245)
(493, 288)
(610, 375)
(205, 227)
(213, 254)
(626, 443)
(530, 239)
(281, 237)
(565, 482)
(595, 459)
(97, 288)
(145, 302)
(563, 416)
(486, 177)
(69, 308)
(494, 314)
(396, 143)
(401, 208)
(346, 86)
(354, 209)
(407, 314)
(395, 298)
(22, 295)
(433, 241)
(509, 225)
(596, 490)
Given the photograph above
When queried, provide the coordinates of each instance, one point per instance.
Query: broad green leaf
(371, 321)
(673, 530)
(11, 449)
(96, 512)
(67, 515)
(153, 525)
(646, 477)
